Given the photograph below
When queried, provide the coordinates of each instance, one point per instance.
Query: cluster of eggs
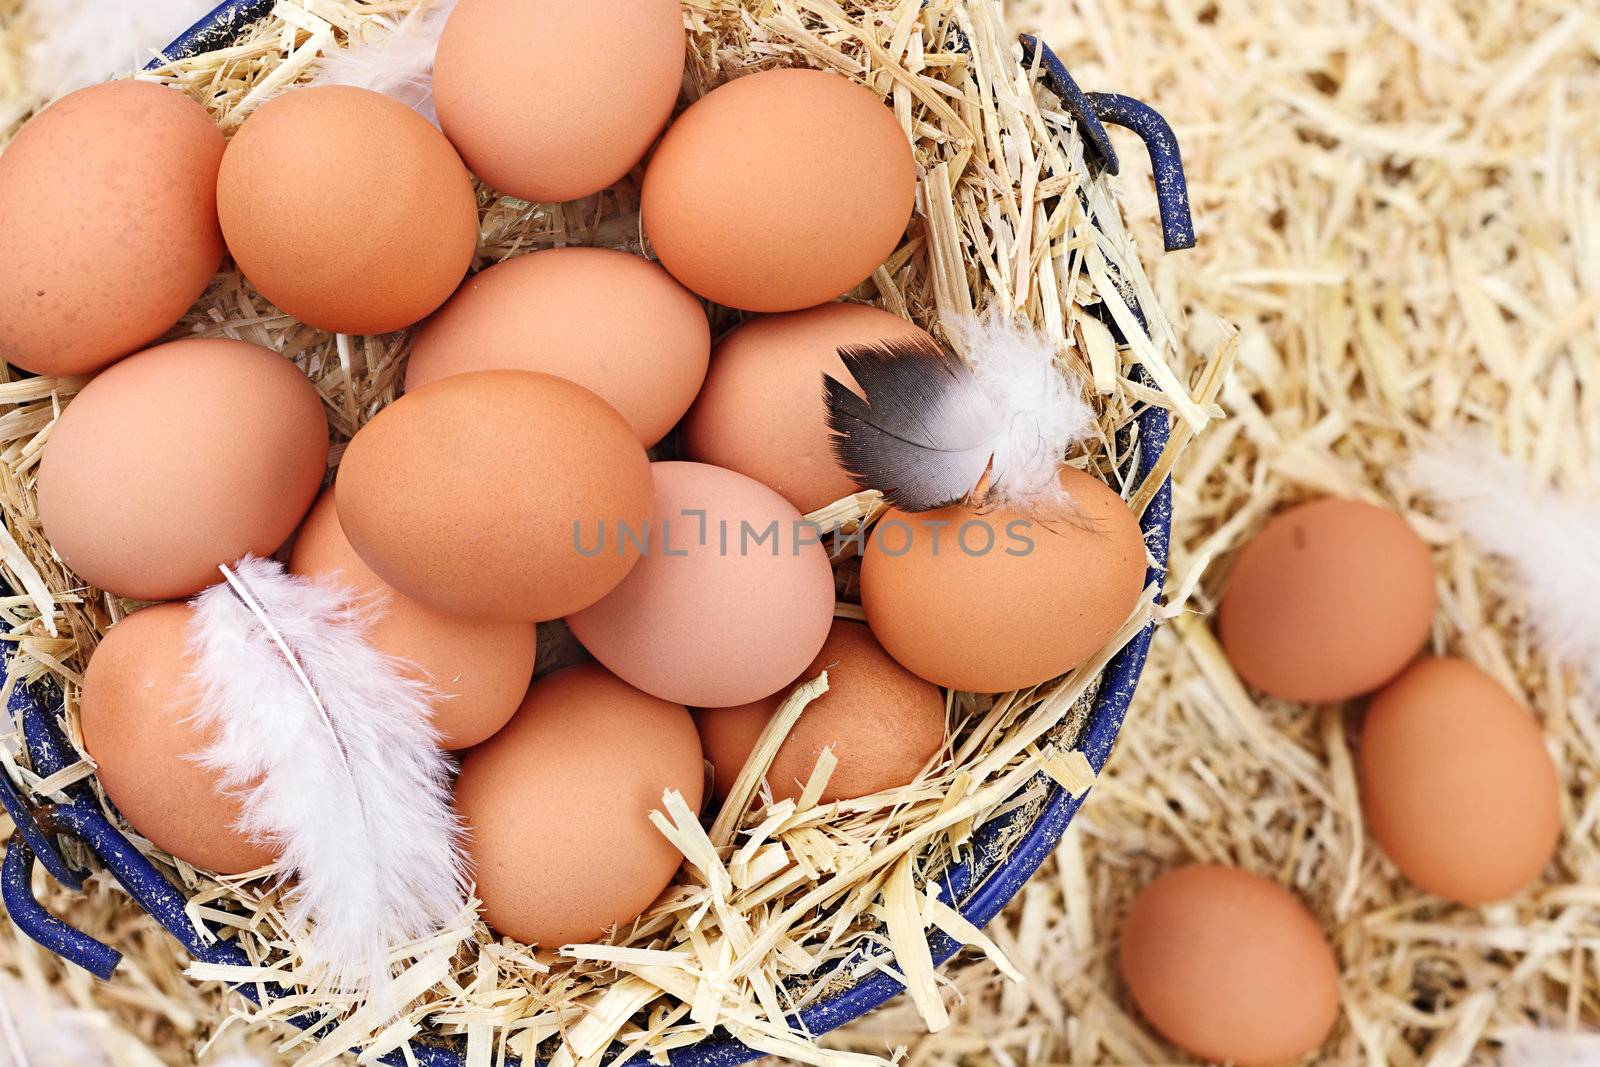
(511, 484)
(1331, 601)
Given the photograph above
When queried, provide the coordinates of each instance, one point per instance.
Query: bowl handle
(1092, 110)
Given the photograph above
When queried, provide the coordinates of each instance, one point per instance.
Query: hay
(774, 893)
(1398, 205)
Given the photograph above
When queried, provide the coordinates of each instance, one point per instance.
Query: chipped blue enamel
(981, 891)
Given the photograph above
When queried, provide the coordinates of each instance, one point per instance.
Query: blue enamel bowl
(981, 887)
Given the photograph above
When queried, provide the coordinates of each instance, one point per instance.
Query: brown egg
(557, 807)
(347, 209)
(882, 723)
(478, 670)
(994, 601)
(779, 190)
(761, 411)
(109, 202)
(1230, 966)
(183, 457)
(1329, 601)
(137, 718)
(732, 599)
(552, 100)
(1457, 784)
(614, 323)
(475, 494)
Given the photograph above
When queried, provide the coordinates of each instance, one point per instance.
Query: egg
(110, 232)
(761, 411)
(136, 714)
(490, 495)
(998, 600)
(881, 722)
(731, 601)
(477, 670)
(1229, 966)
(1329, 601)
(347, 209)
(185, 456)
(1457, 784)
(779, 190)
(557, 807)
(615, 323)
(548, 100)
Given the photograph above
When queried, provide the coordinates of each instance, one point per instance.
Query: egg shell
(1457, 784)
(110, 228)
(615, 323)
(762, 412)
(779, 190)
(347, 209)
(185, 456)
(557, 806)
(549, 100)
(882, 723)
(1230, 966)
(478, 670)
(136, 714)
(473, 495)
(1329, 601)
(712, 616)
(997, 600)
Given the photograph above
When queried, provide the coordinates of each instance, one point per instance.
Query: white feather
(1548, 539)
(1532, 1047)
(77, 43)
(394, 61)
(1044, 410)
(332, 750)
(39, 1031)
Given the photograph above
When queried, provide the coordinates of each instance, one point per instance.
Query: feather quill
(331, 748)
(397, 63)
(931, 429)
(1548, 539)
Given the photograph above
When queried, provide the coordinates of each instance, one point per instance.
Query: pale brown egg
(549, 100)
(761, 411)
(137, 717)
(478, 670)
(1457, 783)
(347, 209)
(615, 323)
(730, 602)
(109, 233)
(1230, 966)
(882, 723)
(1329, 601)
(997, 600)
(779, 190)
(483, 495)
(183, 457)
(557, 807)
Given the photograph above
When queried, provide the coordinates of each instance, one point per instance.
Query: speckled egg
(109, 202)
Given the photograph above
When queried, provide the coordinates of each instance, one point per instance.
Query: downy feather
(934, 429)
(331, 748)
(1548, 539)
(396, 62)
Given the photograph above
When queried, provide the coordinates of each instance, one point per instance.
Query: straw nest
(772, 894)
